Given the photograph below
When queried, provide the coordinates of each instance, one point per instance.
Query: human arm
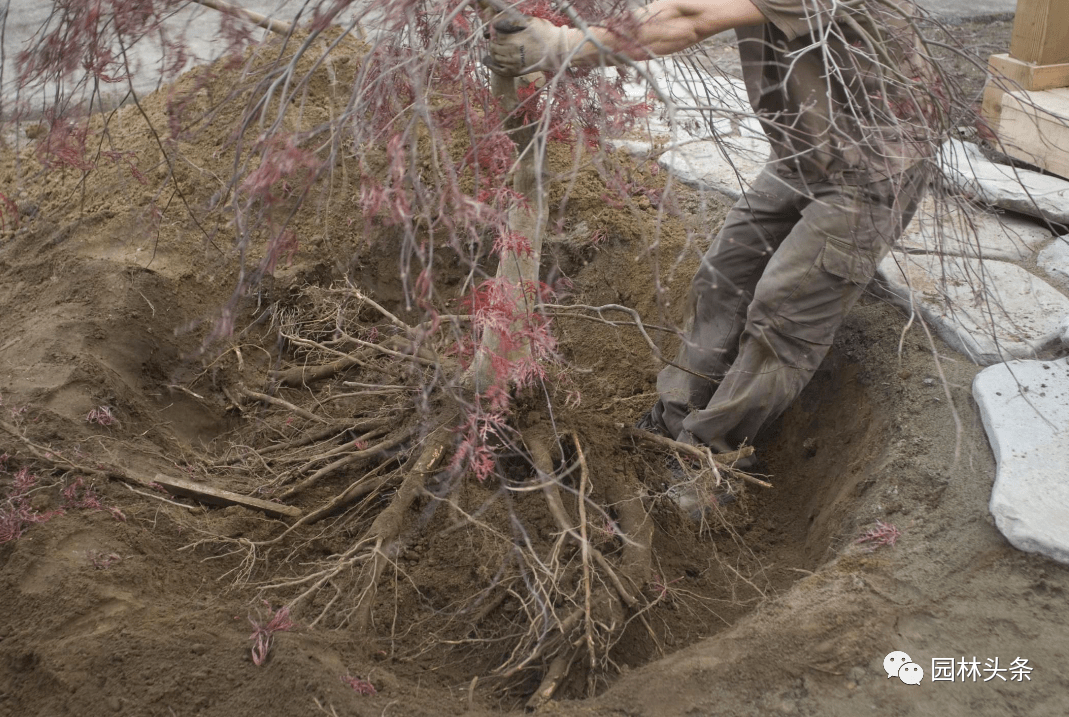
(660, 28)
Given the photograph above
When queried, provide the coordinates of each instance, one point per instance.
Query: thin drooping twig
(573, 311)
(267, 23)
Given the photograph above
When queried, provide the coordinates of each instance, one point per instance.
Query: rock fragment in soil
(991, 311)
(1054, 260)
(999, 185)
(941, 227)
(719, 147)
(1025, 409)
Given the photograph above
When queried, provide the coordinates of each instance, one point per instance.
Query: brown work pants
(789, 262)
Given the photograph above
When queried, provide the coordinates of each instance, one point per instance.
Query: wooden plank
(1017, 74)
(1034, 127)
(991, 108)
(1041, 32)
(215, 496)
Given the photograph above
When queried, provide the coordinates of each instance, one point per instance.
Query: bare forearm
(668, 26)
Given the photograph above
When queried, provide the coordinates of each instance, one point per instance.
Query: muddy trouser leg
(813, 279)
(720, 293)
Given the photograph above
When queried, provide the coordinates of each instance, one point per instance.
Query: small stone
(114, 703)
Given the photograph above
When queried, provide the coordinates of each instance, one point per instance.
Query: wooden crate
(1041, 32)
(1034, 127)
(1025, 102)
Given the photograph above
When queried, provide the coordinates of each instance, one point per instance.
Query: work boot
(698, 504)
(651, 424)
(719, 445)
(694, 499)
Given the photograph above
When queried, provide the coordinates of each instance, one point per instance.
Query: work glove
(520, 45)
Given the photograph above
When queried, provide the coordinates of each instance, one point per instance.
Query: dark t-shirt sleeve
(794, 18)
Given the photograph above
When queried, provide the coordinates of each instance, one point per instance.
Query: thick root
(386, 528)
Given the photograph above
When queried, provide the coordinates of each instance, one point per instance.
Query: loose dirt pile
(134, 601)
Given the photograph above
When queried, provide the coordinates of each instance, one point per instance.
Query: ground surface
(126, 604)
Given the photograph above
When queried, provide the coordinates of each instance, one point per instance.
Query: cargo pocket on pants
(854, 265)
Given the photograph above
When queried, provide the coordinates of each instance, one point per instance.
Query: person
(850, 106)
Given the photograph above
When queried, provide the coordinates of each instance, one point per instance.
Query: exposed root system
(380, 459)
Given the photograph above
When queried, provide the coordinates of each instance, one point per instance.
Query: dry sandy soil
(134, 602)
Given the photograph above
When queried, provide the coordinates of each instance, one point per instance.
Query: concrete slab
(998, 185)
(726, 165)
(686, 97)
(988, 310)
(1054, 259)
(1025, 409)
(942, 227)
(705, 133)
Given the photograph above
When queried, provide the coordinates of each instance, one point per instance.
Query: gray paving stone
(990, 311)
(999, 185)
(1025, 409)
(725, 166)
(945, 227)
(1054, 260)
(706, 135)
(699, 103)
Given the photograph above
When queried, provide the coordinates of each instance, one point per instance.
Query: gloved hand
(521, 47)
